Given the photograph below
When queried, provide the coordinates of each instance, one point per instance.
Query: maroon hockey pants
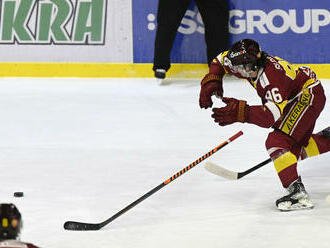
(293, 139)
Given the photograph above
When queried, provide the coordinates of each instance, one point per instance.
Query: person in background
(215, 16)
(292, 99)
(10, 227)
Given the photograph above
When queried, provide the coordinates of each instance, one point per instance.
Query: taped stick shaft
(80, 226)
(205, 156)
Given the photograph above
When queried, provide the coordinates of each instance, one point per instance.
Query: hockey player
(292, 99)
(10, 227)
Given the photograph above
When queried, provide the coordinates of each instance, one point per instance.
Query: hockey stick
(80, 226)
(232, 175)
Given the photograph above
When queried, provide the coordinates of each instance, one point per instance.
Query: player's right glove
(210, 85)
(234, 111)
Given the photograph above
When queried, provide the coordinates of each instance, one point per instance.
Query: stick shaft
(205, 156)
(73, 225)
(244, 173)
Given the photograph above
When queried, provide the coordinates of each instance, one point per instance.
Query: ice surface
(83, 149)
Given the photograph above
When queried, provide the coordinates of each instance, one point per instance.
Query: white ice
(83, 149)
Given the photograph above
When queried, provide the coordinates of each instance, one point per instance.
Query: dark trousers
(215, 16)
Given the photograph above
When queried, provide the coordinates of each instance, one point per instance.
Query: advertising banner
(65, 31)
(189, 46)
(113, 31)
(297, 30)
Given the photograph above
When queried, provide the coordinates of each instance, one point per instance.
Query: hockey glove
(235, 111)
(210, 85)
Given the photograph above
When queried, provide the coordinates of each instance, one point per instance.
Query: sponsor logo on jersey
(295, 114)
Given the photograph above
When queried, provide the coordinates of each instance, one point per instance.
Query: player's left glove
(234, 111)
(210, 85)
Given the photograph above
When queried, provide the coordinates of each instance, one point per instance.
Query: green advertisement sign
(67, 22)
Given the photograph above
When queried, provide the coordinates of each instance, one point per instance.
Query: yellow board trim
(120, 70)
(312, 149)
(284, 161)
(116, 70)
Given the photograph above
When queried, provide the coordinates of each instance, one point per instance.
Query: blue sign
(298, 31)
(189, 45)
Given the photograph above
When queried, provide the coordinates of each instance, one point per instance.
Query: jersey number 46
(274, 95)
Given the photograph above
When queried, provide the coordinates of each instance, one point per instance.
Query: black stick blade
(79, 226)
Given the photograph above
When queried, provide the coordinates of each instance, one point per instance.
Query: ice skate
(297, 199)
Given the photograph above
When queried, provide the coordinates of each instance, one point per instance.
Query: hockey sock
(317, 145)
(286, 167)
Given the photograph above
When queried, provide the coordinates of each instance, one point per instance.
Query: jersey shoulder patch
(263, 79)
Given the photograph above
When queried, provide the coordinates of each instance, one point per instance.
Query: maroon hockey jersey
(277, 84)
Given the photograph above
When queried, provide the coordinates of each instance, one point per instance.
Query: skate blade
(302, 204)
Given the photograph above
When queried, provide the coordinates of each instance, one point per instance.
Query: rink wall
(114, 38)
